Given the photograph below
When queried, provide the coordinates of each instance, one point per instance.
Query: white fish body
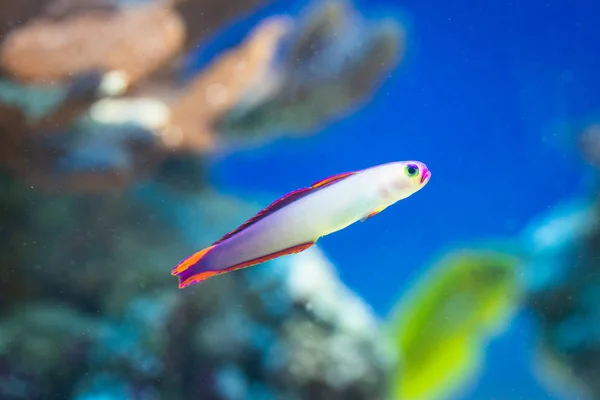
(311, 214)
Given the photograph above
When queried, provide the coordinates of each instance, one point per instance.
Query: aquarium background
(499, 99)
(482, 98)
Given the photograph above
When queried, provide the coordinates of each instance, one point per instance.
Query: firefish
(295, 222)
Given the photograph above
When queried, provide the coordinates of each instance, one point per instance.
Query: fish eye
(411, 170)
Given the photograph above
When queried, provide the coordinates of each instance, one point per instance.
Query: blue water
(477, 97)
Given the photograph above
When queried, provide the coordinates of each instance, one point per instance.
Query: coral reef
(104, 148)
(77, 77)
(325, 65)
(108, 321)
(564, 287)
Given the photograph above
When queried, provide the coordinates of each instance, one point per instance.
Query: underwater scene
(299, 200)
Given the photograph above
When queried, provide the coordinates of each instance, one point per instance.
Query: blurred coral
(43, 346)
(288, 329)
(326, 63)
(563, 287)
(103, 75)
(88, 39)
(590, 144)
(219, 88)
(16, 13)
(565, 249)
(92, 103)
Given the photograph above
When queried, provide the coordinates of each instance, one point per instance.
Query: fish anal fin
(204, 275)
(332, 179)
(276, 205)
(291, 250)
(199, 277)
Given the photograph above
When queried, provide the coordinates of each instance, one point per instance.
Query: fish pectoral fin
(372, 214)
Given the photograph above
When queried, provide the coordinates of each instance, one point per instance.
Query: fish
(294, 222)
(441, 326)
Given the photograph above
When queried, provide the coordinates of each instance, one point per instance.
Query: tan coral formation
(203, 17)
(117, 65)
(333, 61)
(136, 40)
(221, 85)
(64, 41)
(16, 13)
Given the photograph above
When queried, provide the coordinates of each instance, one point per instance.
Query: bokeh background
(133, 133)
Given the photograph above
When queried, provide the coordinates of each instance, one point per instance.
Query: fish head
(414, 175)
(404, 178)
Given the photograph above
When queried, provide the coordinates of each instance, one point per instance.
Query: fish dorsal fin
(276, 205)
(284, 201)
(332, 179)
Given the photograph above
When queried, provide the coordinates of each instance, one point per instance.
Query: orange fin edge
(284, 201)
(332, 179)
(208, 274)
(202, 276)
(191, 260)
(291, 250)
(374, 213)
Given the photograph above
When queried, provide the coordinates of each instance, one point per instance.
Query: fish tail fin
(192, 269)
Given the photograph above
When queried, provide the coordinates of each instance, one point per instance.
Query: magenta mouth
(426, 175)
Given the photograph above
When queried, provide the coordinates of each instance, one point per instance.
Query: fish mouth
(426, 175)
